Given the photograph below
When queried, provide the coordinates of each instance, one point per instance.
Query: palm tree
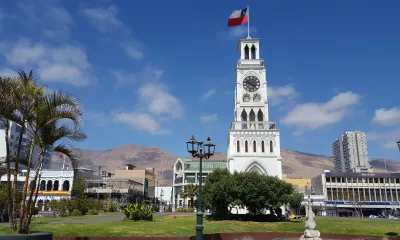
(7, 109)
(191, 191)
(49, 136)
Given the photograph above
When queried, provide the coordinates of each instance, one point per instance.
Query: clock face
(251, 83)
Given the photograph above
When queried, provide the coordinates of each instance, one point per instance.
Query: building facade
(186, 171)
(253, 140)
(350, 153)
(349, 191)
(13, 137)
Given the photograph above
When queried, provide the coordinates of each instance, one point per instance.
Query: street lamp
(398, 144)
(195, 148)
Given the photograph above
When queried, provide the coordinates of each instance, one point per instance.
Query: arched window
(244, 119)
(262, 146)
(253, 52)
(49, 185)
(238, 146)
(271, 146)
(252, 115)
(260, 115)
(246, 146)
(246, 52)
(66, 185)
(56, 185)
(254, 146)
(42, 185)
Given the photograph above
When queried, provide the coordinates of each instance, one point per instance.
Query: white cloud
(141, 121)
(148, 74)
(64, 64)
(387, 117)
(209, 118)
(208, 94)
(106, 21)
(311, 116)
(386, 139)
(159, 101)
(278, 95)
(48, 17)
(156, 105)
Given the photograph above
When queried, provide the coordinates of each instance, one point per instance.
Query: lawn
(185, 226)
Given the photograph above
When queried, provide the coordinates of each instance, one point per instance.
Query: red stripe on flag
(237, 21)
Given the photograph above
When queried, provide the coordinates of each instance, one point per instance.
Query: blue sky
(155, 72)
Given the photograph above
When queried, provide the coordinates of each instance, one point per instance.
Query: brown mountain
(295, 164)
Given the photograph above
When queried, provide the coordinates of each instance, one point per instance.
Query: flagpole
(248, 22)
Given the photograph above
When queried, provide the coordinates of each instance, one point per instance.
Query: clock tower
(253, 140)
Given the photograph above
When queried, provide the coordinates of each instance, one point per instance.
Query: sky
(155, 72)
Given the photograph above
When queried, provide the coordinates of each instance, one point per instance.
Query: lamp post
(398, 144)
(195, 148)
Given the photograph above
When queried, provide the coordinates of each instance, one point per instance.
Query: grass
(185, 226)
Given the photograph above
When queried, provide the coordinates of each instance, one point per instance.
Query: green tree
(218, 191)
(190, 191)
(295, 200)
(78, 188)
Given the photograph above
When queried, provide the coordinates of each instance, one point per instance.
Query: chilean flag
(238, 17)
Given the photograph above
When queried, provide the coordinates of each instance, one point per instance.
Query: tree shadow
(392, 234)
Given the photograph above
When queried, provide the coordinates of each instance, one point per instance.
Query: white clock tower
(253, 141)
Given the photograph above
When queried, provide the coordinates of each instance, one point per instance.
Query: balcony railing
(250, 63)
(253, 125)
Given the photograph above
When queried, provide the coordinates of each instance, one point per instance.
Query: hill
(294, 163)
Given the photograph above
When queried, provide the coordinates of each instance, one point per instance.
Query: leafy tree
(218, 191)
(295, 200)
(190, 191)
(78, 188)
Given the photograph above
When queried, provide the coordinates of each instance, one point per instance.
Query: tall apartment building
(13, 135)
(350, 153)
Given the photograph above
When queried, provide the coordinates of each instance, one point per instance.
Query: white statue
(311, 233)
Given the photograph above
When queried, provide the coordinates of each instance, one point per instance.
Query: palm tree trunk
(32, 204)
(9, 188)
(15, 180)
(23, 210)
(191, 202)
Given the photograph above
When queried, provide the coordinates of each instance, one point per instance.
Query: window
(238, 146)
(271, 146)
(246, 52)
(262, 146)
(253, 52)
(254, 146)
(246, 146)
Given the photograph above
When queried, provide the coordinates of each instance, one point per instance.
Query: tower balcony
(253, 125)
(250, 63)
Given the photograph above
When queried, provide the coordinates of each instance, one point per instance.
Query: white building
(13, 137)
(186, 171)
(349, 191)
(253, 141)
(164, 194)
(350, 153)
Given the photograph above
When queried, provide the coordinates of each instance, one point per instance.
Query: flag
(238, 17)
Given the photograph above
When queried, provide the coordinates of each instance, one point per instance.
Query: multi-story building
(143, 176)
(186, 171)
(253, 140)
(13, 137)
(350, 153)
(350, 190)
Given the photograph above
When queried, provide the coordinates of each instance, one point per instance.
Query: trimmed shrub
(111, 206)
(184, 210)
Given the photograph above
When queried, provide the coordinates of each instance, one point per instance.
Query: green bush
(35, 211)
(76, 212)
(111, 206)
(60, 207)
(93, 212)
(139, 211)
(184, 209)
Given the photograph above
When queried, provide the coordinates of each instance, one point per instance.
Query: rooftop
(194, 165)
